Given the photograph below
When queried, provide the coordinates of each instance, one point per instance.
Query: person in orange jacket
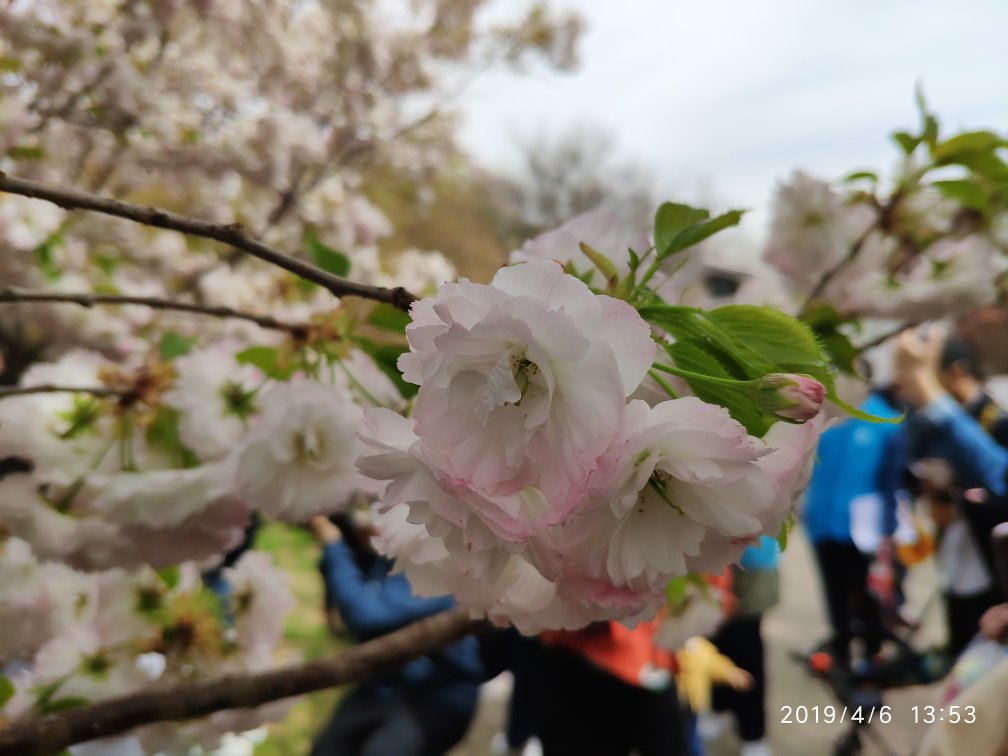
(608, 690)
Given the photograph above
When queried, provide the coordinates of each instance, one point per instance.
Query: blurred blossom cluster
(930, 241)
(269, 113)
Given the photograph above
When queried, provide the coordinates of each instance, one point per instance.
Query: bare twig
(830, 274)
(48, 388)
(90, 300)
(51, 733)
(232, 234)
(886, 336)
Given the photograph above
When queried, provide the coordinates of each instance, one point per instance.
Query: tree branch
(48, 388)
(48, 734)
(883, 337)
(232, 234)
(85, 299)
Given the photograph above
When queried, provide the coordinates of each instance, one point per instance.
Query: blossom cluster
(261, 112)
(528, 486)
(82, 637)
(171, 468)
(910, 256)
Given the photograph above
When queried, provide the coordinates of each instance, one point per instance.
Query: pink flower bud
(790, 396)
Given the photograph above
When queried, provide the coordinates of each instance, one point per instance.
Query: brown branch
(51, 733)
(886, 336)
(48, 388)
(90, 300)
(232, 234)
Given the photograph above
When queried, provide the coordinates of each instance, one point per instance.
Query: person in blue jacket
(968, 431)
(423, 707)
(850, 507)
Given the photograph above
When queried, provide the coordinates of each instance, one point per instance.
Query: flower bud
(789, 396)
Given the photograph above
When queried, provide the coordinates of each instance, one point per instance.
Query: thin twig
(886, 336)
(90, 300)
(51, 733)
(49, 388)
(232, 234)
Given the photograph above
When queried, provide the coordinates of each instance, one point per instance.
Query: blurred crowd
(923, 478)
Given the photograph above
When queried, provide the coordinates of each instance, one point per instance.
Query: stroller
(898, 664)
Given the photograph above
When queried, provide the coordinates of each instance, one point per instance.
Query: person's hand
(994, 623)
(324, 530)
(915, 368)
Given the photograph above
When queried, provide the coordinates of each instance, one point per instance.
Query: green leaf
(986, 164)
(785, 531)
(788, 344)
(175, 345)
(699, 357)
(61, 704)
(45, 255)
(739, 343)
(824, 317)
(602, 263)
(907, 142)
(841, 351)
(966, 193)
(266, 359)
(677, 591)
(386, 356)
(33, 152)
(697, 232)
(671, 220)
(929, 124)
(777, 337)
(170, 575)
(968, 141)
(7, 690)
(861, 175)
(389, 318)
(163, 432)
(327, 258)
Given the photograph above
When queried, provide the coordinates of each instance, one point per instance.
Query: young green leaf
(266, 359)
(861, 176)
(672, 219)
(968, 141)
(966, 193)
(6, 690)
(386, 357)
(907, 142)
(388, 318)
(175, 345)
(602, 263)
(327, 258)
(696, 233)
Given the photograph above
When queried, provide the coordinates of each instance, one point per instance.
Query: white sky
(734, 94)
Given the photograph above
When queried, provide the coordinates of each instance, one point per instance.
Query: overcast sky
(735, 94)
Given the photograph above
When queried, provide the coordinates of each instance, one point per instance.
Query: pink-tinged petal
(622, 328)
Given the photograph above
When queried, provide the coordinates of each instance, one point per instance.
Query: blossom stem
(359, 386)
(85, 299)
(700, 376)
(664, 384)
(861, 348)
(232, 234)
